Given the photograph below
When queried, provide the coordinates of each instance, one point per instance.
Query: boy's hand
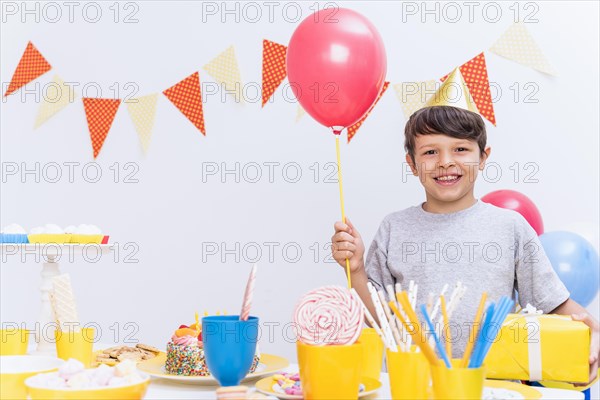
(346, 243)
(594, 345)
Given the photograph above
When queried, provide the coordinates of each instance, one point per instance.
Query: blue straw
(492, 327)
(438, 344)
(501, 316)
(485, 340)
(478, 343)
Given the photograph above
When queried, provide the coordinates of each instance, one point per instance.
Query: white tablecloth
(166, 389)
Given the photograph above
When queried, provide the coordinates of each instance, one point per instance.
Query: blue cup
(229, 347)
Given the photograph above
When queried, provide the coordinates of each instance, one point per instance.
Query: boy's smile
(447, 168)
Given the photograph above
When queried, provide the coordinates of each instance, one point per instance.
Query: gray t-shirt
(485, 247)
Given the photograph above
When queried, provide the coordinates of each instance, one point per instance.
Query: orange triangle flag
(100, 114)
(273, 68)
(32, 65)
(354, 128)
(475, 75)
(187, 97)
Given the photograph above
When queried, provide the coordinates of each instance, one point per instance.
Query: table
(166, 389)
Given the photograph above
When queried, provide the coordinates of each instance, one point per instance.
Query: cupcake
(13, 233)
(49, 233)
(85, 234)
(185, 354)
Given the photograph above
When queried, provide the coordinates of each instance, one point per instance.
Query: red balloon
(336, 66)
(518, 202)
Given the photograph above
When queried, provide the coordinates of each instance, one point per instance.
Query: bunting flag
(143, 112)
(56, 97)
(414, 95)
(224, 69)
(100, 114)
(475, 75)
(300, 112)
(187, 97)
(356, 126)
(273, 68)
(31, 66)
(518, 45)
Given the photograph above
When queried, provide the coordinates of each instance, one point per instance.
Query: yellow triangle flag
(143, 111)
(224, 68)
(518, 45)
(56, 97)
(300, 112)
(414, 95)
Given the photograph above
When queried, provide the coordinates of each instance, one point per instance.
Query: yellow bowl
(134, 391)
(57, 238)
(16, 369)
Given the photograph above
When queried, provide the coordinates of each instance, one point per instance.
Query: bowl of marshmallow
(73, 382)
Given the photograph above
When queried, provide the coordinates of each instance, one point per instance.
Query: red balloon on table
(513, 200)
(336, 66)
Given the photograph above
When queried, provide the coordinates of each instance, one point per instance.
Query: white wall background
(173, 210)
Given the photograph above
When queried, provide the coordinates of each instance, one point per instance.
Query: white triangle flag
(55, 96)
(143, 112)
(224, 68)
(518, 45)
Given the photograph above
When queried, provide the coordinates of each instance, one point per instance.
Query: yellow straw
(416, 332)
(478, 316)
(339, 168)
(446, 328)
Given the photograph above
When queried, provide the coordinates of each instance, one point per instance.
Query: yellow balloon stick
(339, 168)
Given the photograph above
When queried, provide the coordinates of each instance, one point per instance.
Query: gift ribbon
(534, 342)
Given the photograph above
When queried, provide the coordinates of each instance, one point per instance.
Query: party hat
(453, 92)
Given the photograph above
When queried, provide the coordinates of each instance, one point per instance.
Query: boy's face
(447, 167)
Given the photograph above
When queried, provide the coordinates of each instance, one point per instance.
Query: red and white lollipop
(329, 315)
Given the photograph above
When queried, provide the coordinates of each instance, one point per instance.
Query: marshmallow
(124, 368)
(14, 229)
(70, 368)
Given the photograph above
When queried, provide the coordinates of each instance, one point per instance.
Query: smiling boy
(453, 236)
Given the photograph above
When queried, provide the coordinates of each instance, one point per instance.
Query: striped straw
(247, 303)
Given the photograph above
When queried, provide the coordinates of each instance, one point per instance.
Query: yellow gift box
(539, 347)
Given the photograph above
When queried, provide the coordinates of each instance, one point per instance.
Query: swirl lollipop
(328, 315)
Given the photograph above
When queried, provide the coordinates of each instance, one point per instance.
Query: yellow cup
(330, 372)
(14, 342)
(457, 382)
(409, 374)
(75, 343)
(372, 353)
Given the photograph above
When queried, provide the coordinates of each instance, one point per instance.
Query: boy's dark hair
(445, 120)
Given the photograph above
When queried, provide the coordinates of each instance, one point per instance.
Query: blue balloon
(576, 262)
